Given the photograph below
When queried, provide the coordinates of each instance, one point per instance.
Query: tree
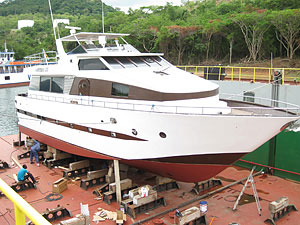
(179, 34)
(287, 23)
(253, 26)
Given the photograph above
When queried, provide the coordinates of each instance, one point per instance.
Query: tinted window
(57, 85)
(139, 62)
(113, 62)
(91, 64)
(150, 61)
(126, 62)
(119, 89)
(45, 84)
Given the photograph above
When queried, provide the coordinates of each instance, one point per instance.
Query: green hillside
(198, 32)
(72, 7)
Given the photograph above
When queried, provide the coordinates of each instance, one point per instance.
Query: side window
(57, 84)
(50, 84)
(119, 90)
(91, 64)
(45, 84)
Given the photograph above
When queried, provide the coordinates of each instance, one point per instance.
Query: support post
(20, 138)
(117, 180)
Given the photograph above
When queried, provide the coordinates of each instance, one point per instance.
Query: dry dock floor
(220, 205)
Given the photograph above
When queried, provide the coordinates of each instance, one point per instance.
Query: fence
(253, 74)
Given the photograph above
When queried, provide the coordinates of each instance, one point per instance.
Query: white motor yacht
(105, 99)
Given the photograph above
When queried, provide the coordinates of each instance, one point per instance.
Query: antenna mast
(102, 17)
(52, 19)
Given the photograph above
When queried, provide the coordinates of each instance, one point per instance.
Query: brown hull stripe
(105, 133)
(220, 159)
(14, 85)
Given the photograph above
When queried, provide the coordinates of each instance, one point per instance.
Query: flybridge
(104, 43)
(89, 42)
(92, 36)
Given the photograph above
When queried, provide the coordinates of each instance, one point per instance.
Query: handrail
(159, 108)
(22, 208)
(255, 74)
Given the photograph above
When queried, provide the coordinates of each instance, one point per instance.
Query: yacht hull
(14, 80)
(179, 171)
(188, 148)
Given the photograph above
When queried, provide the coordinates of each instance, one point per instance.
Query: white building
(25, 23)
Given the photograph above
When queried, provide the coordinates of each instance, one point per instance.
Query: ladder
(250, 178)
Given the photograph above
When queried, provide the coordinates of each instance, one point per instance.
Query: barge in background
(11, 71)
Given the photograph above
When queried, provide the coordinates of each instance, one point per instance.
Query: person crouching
(24, 174)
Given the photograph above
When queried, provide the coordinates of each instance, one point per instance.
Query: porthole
(113, 134)
(162, 135)
(134, 132)
(90, 130)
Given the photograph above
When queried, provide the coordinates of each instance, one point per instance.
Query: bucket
(203, 206)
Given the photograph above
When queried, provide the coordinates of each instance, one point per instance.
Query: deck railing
(261, 106)
(253, 74)
(22, 208)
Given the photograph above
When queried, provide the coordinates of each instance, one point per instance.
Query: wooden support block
(59, 186)
(139, 200)
(123, 167)
(163, 180)
(78, 220)
(125, 184)
(121, 217)
(188, 215)
(126, 203)
(61, 155)
(133, 193)
(51, 149)
(48, 155)
(16, 162)
(111, 179)
(97, 173)
(79, 165)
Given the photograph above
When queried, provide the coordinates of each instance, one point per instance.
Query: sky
(124, 5)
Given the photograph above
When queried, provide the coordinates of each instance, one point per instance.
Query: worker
(24, 174)
(34, 152)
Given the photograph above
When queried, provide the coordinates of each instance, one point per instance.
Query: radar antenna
(72, 29)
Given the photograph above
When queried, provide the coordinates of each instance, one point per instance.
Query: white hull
(185, 134)
(14, 79)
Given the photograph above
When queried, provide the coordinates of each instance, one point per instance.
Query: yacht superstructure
(114, 102)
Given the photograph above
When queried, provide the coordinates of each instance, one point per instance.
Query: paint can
(122, 208)
(203, 206)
